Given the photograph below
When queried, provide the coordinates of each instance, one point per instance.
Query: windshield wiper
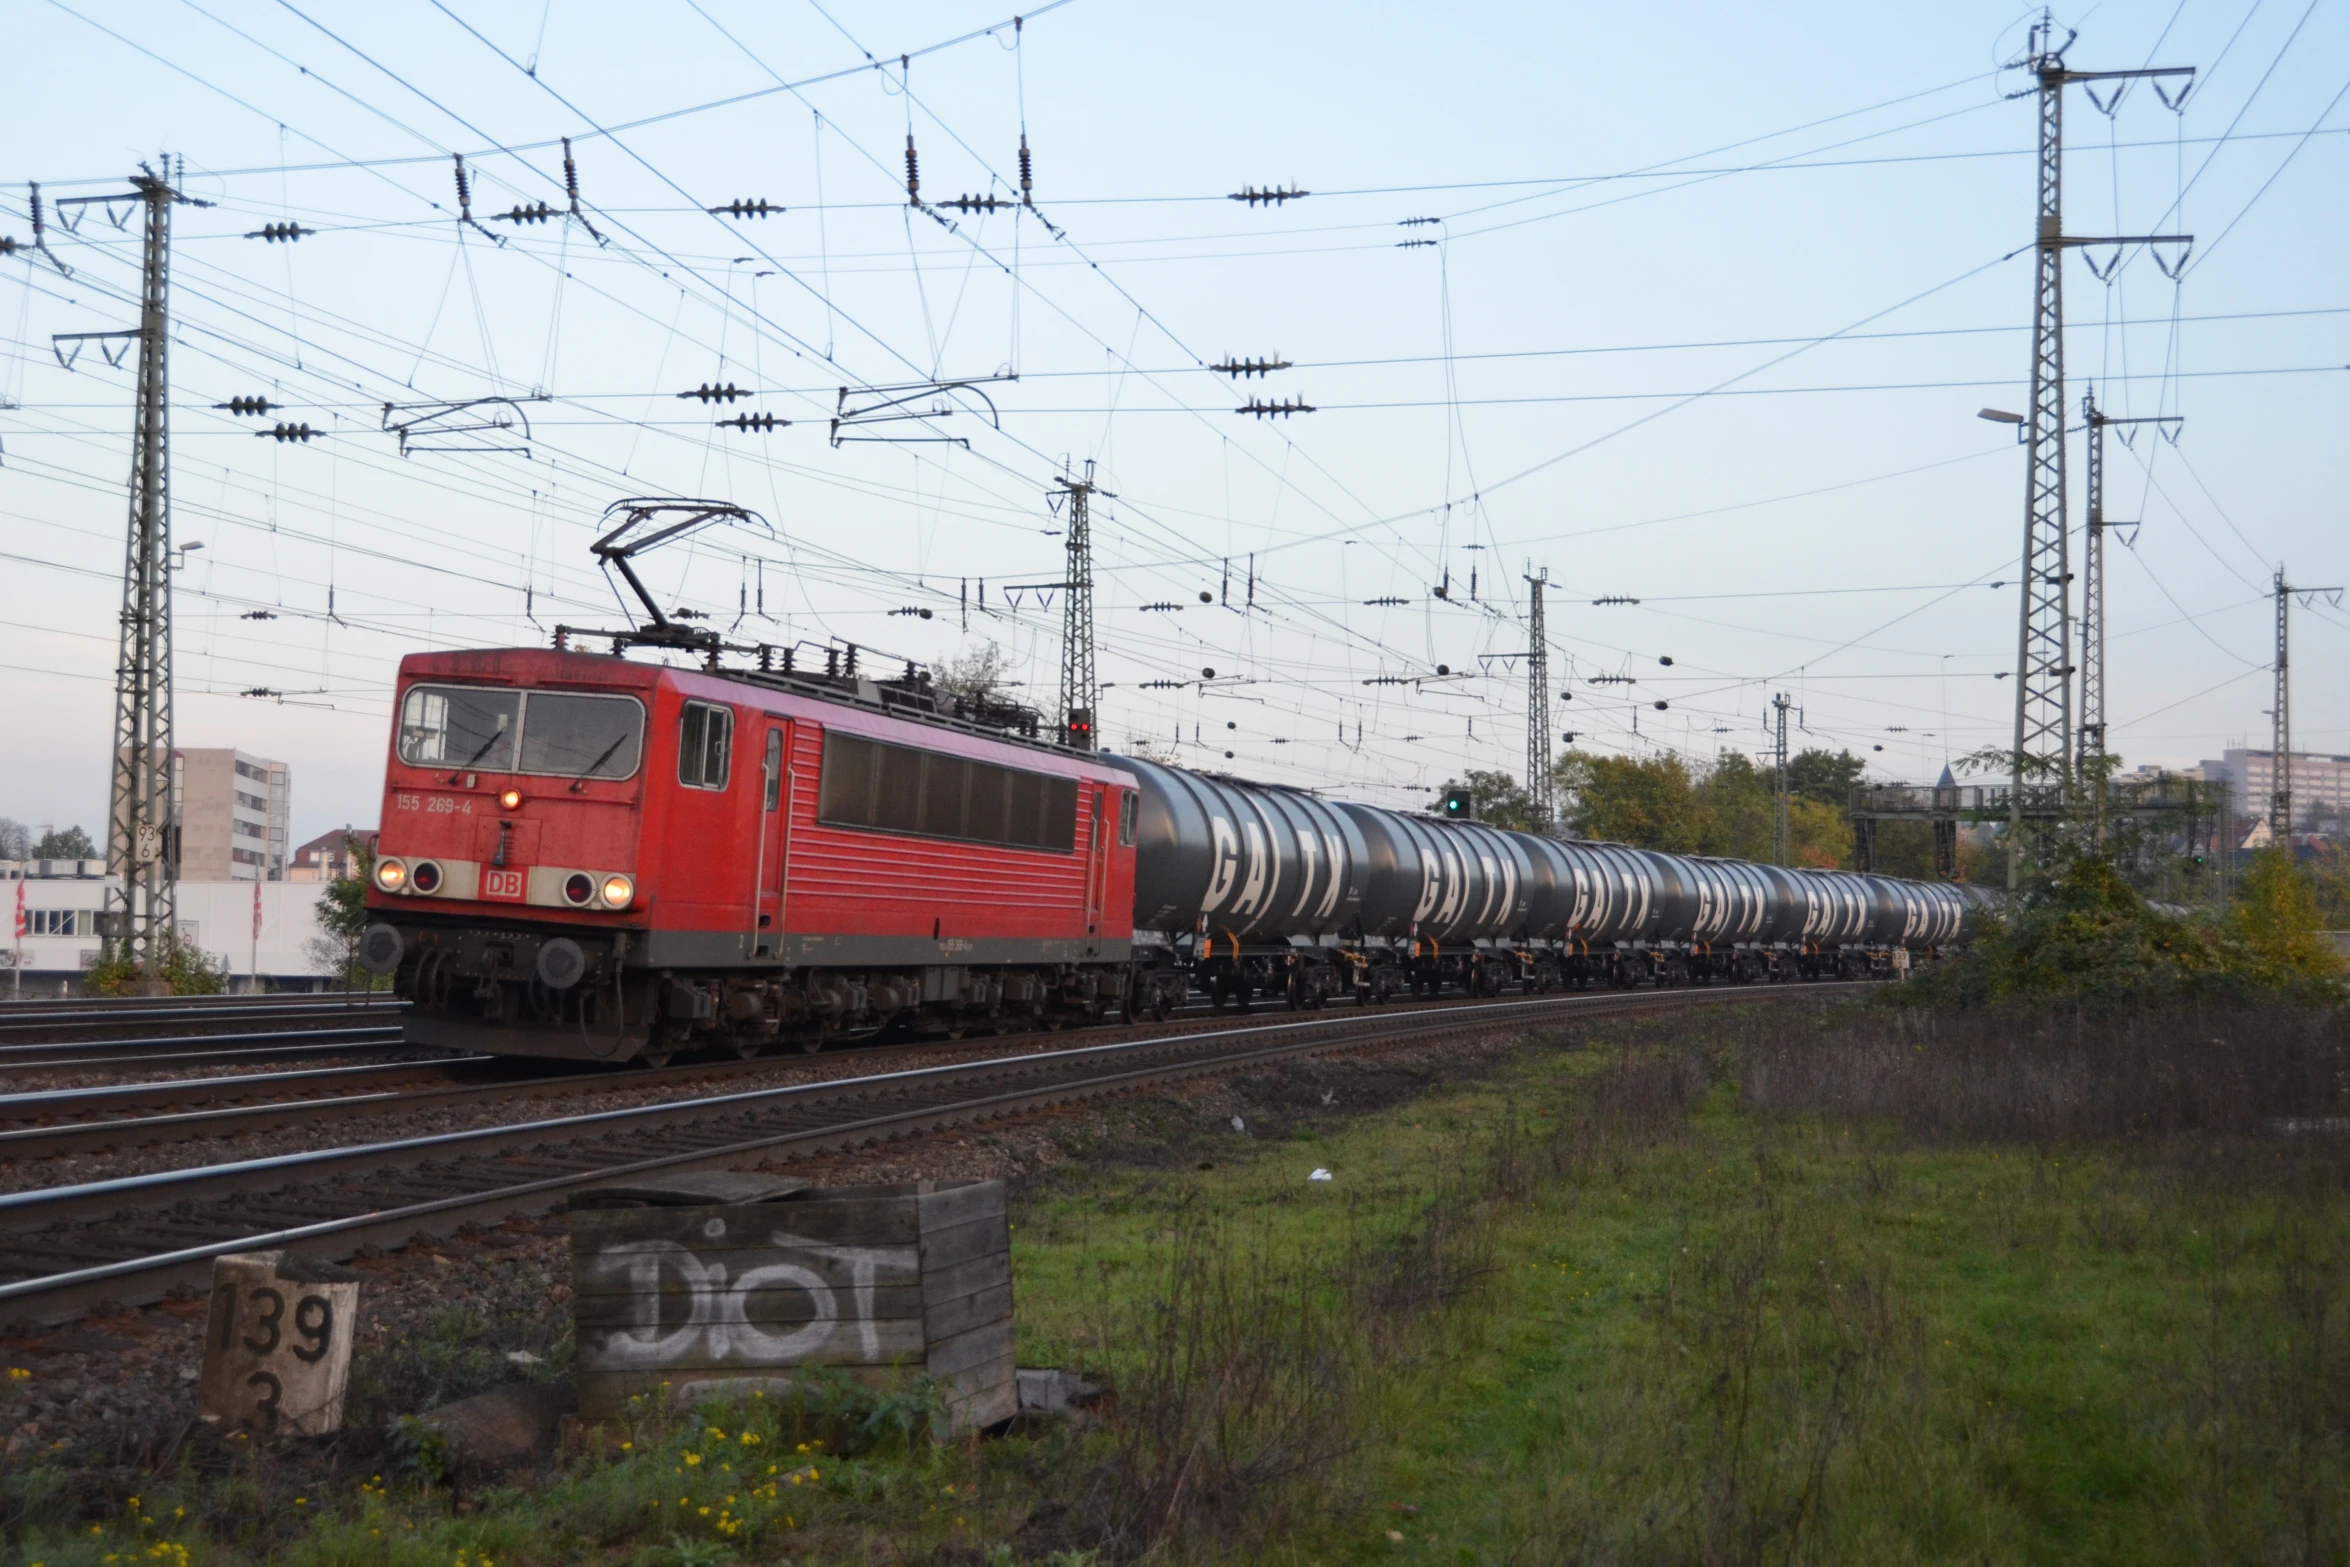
(618, 742)
(478, 755)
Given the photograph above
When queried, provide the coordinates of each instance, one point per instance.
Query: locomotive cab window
(493, 729)
(577, 736)
(898, 789)
(705, 736)
(460, 727)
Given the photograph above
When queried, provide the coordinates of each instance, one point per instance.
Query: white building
(62, 900)
(2321, 783)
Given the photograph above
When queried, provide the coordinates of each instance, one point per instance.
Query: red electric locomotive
(587, 857)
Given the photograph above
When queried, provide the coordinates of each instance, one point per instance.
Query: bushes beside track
(2090, 939)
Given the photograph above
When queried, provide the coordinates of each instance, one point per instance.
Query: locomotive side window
(581, 736)
(898, 789)
(704, 740)
(1129, 807)
(460, 727)
(774, 767)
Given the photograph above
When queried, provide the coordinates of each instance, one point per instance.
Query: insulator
(242, 406)
(1413, 244)
(286, 432)
(536, 212)
(1027, 169)
(741, 208)
(464, 188)
(754, 422)
(570, 173)
(7, 246)
(271, 233)
(913, 173)
(714, 394)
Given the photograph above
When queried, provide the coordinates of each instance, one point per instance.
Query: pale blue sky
(1637, 205)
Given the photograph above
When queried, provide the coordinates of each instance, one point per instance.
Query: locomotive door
(1097, 875)
(774, 829)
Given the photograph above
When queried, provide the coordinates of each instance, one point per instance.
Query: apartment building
(235, 815)
(2321, 783)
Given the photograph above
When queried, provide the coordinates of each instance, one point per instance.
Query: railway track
(53, 1036)
(64, 1250)
(98, 1018)
(49, 1122)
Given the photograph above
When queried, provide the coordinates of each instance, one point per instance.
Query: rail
(122, 1245)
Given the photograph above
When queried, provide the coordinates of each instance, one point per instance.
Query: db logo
(508, 885)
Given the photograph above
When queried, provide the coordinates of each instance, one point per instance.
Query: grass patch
(1750, 1287)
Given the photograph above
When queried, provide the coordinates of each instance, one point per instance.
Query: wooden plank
(962, 1204)
(659, 1266)
(962, 1242)
(762, 1308)
(967, 1278)
(972, 1350)
(960, 1315)
(605, 1395)
(738, 1348)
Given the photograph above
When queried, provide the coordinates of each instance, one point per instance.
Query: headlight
(619, 892)
(510, 800)
(579, 888)
(426, 877)
(391, 875)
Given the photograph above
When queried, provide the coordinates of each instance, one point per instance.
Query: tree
(71, 844)
(1825, 776)
(342, 919)
(16, 840)
(975, 674)
(1656, 802)
(1499, 799)
(2276, 916)
(1648, 802)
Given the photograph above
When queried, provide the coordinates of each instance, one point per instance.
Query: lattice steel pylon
(1541, 788)
(2090, 767)
(2280, 799)
(1080, 684)
(142, 837)
(2043, 757)
(1782, 829)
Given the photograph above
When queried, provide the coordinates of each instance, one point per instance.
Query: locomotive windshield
(560, 732)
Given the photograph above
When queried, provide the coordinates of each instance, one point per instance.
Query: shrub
(2091, 939)
(179, 970)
